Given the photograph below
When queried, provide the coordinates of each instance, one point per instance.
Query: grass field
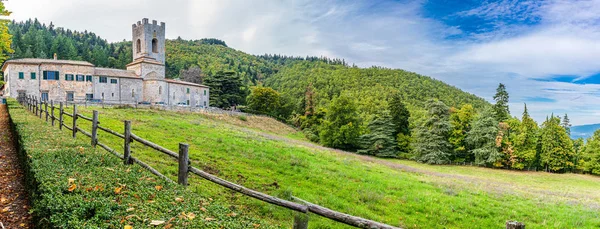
(268, 156)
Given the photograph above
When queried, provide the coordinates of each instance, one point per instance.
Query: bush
(73, 185)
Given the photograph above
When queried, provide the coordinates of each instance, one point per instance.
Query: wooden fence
(302, 207)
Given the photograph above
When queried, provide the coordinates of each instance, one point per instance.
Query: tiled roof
(48, 61)
(115, 72)
(184, 83)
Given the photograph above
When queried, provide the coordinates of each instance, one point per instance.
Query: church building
(78, 81)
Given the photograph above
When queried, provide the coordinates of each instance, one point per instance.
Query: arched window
(138, 46)
(154, 45)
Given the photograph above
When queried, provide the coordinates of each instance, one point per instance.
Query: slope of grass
(73, 185)
(343, 182)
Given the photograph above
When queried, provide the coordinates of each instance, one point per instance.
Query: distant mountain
(584, 131)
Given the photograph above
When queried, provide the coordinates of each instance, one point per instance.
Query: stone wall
(178, 94)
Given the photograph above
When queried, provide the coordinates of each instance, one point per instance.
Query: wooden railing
(39, 108)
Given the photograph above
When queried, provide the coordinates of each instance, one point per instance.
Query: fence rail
(37, 107)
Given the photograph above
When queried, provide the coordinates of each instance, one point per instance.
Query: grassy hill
(270, 157)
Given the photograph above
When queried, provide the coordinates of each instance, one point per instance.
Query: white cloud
(565, 40)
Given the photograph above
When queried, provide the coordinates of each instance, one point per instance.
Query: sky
(547, 53)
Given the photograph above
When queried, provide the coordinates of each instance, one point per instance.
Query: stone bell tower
(148, 45)
(149, 40)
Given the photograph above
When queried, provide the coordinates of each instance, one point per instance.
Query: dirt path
(14, 204)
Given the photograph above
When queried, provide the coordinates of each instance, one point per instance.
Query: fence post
(514, 225)
(41, 108)
(52, 111)
(35, 105)
(60, 116)
(300, 221)
(95, 129)
(184, 161)
(74, 120)
(126, 146)
(46, 108)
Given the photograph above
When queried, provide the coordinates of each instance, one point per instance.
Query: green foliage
(482, 138)
(5, 37)
(461, 120)
(431, 138)
(380, 140)
(525, 141)
(566, 123)
(341, 127)
(226, 90)
(400, 115)
(556, 147)
(501, 107)
(91, 199)
(264, 100)
(590, 155)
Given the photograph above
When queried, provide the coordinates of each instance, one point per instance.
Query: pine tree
(482, 139)
(566, 123)
(380, 141)
(431, 138)
(501, 107)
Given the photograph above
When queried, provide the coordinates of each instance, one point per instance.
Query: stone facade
(143, 82)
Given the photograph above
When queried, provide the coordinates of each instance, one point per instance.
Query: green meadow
(268, 156)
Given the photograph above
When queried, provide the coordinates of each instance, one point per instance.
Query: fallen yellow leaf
(209, 219)
(233, 214)
(179, 199)
(72, 187)
(203, 209)
(127, 227)
(158, 187)
(118, 190)
(130, 209)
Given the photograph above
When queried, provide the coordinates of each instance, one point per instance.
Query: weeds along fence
(45, 110)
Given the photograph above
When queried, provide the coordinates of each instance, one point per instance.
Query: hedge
(73, 185)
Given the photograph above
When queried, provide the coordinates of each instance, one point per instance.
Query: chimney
(55, 57)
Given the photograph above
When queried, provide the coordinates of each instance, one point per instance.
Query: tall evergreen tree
(566, 123)
(482, 138)
(380, 140)
(431, 138)
(501, 106)
(399, 118)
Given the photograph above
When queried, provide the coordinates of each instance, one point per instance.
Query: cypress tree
(566, 123)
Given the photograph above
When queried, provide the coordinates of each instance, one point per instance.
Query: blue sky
(546, 52)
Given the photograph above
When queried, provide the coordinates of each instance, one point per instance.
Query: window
(45, 96)
(113, 94)
(50, 75)
(80, 78)
(102, 95)
(113, 81)
(188, 90)
(205, 103)
(21, 75)
(102, 79)
(187, 102)
(69, 77)
(32, 75)
(88, 78)
(154, 45)
(22, 94)
(159, 90)
(70, 96)
(204, 92)
(89, 96)
(132, 93)
(138, 46)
